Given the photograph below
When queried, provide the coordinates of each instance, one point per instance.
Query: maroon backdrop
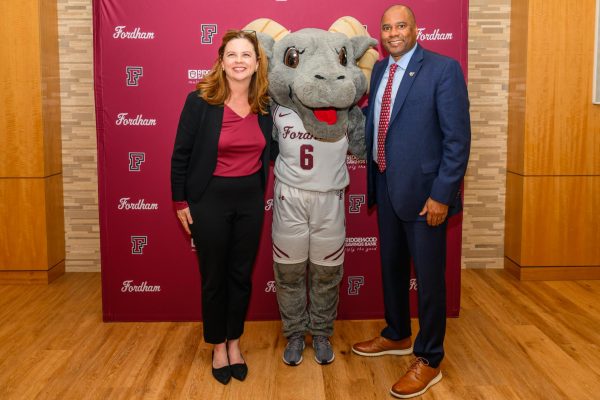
(147, 56)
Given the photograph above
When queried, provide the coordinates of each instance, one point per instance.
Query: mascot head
(317, 73)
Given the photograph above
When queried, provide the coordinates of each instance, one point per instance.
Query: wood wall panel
(513, 237)
(50, 75)
(554, 143)
(20, 88)
(32, 245)
(516, 86)
(562, 125)
(23, 229)
(561, 221)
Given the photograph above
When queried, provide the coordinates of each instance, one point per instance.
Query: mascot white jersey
(305, 162)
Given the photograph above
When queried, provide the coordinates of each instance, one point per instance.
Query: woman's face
(239, 60)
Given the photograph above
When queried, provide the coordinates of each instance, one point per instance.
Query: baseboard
(551, 273)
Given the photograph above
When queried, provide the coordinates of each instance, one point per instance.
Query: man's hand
(436, 212)
(185, 217)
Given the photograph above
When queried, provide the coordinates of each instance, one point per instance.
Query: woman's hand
(185, 217)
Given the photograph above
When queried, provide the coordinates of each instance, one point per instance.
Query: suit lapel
(414, 65)
(378, 76)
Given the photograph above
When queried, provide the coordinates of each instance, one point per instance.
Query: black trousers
(226, 230)
(400, 241)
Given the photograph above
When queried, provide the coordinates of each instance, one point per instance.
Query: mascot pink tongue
(327, 115)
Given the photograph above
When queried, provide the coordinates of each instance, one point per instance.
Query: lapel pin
(411, 74)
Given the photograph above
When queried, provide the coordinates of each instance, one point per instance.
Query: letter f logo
(133, 75)
(208, 31)
(354, 285)
(135, 161)
(138, 243)
(355, 202)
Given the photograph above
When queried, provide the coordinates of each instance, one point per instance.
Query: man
(418, 139)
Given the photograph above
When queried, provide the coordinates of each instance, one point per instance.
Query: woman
(219, 170)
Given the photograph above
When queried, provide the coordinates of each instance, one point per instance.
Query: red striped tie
(384, 118)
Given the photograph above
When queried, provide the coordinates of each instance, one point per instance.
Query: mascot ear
(267, 43)
(361, 44)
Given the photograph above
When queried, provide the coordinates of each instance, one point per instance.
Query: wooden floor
(513, 340)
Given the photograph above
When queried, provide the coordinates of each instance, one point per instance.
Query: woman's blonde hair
(214, 88)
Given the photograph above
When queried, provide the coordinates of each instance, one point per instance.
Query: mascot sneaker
(323, 350)
(292, 355)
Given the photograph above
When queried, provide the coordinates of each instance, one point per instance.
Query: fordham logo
(125, 204)
(354, 285)
(435, 35)
(135, 161)
(139, 120)
(121, 33)
(133, 75)
(138, 243)
(413, 284)
(355, 202)
(208, 31)
(270, 287)
(129, 287)
(269, 205)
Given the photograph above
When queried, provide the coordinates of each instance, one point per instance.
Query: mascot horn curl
(316, 78)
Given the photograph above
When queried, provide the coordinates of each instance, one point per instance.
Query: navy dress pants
(400, 242)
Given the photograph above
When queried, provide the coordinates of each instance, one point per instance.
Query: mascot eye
(343, 56)
(291, 58)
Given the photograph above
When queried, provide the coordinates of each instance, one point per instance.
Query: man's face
(398, 32)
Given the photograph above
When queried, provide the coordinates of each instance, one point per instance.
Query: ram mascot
(316, 79)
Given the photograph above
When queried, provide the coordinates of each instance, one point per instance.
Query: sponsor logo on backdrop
(121, 32)
(195, 75)
(130, 287)
(208, 31)
(124, 120)
(126, 204)
(355, 163)
(355, 203)
(135, 161)
(354, 285)
(361, 244)
(413, 284)
(270, 287)
(138, 243)
(269, 205)
(423, 34)
(133, 75)
(193, 245)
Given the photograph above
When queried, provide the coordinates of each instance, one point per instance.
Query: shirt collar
(404, 60)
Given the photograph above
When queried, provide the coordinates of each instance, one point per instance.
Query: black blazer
(194, 156)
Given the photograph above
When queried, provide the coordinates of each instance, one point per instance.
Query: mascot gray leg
(324, 284)
(290, 282)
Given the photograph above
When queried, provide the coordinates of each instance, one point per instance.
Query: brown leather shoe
(419, 377)
(380, 346)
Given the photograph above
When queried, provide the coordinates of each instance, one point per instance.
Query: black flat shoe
(223, 374)
(239, 371)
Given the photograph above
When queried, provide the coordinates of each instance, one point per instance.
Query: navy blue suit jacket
(429, 135)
